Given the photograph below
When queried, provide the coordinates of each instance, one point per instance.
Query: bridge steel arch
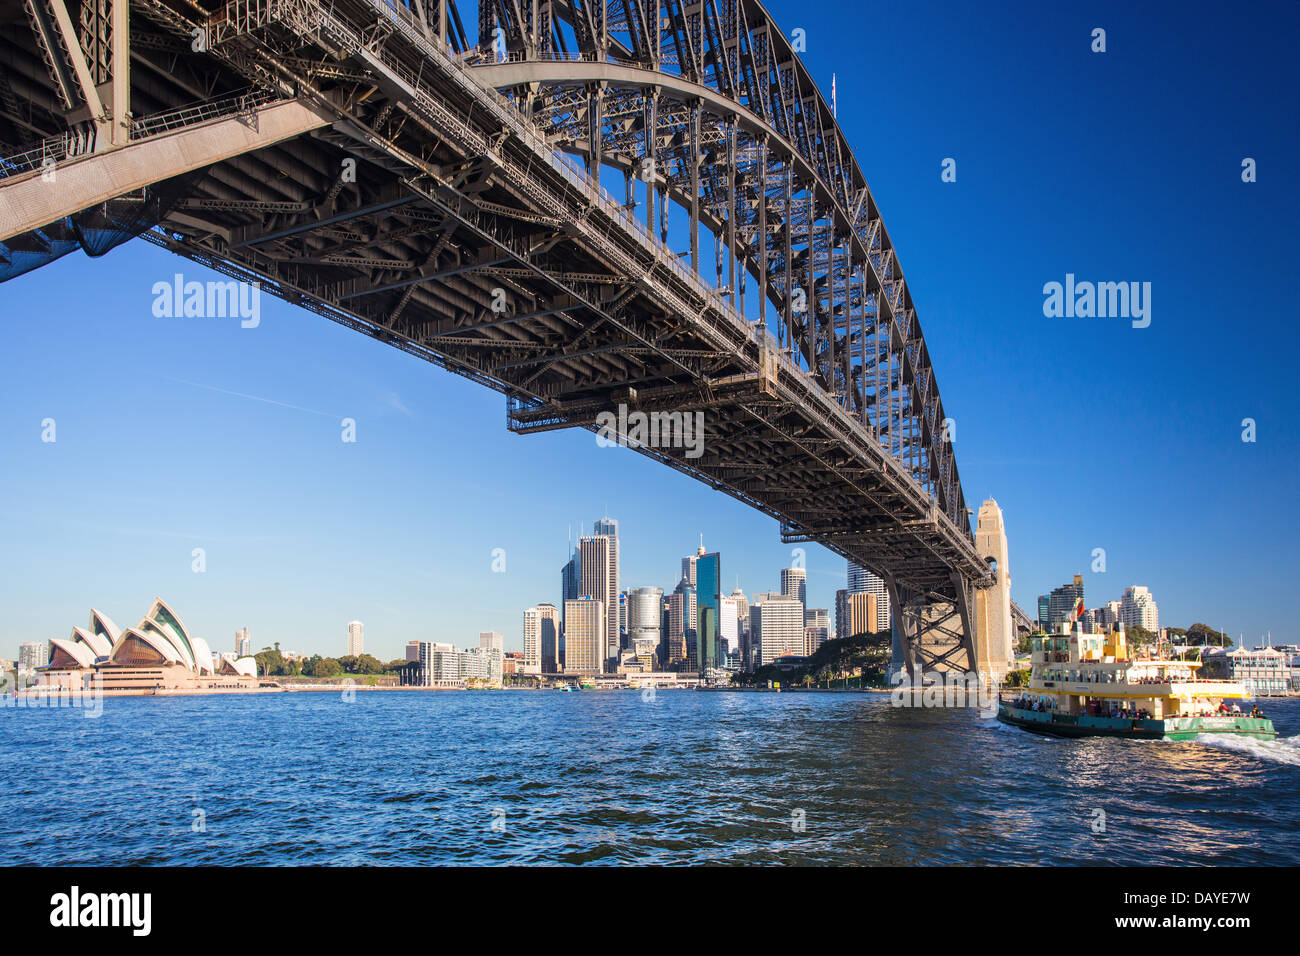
(425, 202)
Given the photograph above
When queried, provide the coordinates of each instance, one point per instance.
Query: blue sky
(177, 434)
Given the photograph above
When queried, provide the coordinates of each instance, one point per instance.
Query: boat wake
(1281, 750)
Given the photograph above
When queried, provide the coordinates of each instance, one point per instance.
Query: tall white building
(540, 632)
(243, 643)
(728, 632)
(777, 624)
(356, 639)
(607, 527)
(1137, 608)
(794, 584)
(491, 640)
(598, 579)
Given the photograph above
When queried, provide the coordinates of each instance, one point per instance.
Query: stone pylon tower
(995, 644)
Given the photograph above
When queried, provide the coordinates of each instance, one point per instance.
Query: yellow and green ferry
(1092, 685)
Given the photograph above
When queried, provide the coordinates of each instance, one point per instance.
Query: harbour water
(610, 777)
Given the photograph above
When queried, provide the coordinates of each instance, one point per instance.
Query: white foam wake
(1280, 750)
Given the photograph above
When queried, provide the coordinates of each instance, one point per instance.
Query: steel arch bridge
(374, 163)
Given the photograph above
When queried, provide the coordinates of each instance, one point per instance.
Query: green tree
(270, 662)
(1139, 636)
(1201, 635)
(327, 667)
(862, 656)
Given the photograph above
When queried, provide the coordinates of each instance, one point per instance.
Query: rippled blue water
(606, 777)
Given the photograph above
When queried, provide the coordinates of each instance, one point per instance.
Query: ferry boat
(1093, 685)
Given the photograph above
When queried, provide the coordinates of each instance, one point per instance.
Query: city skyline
(854, 576)
(301, 532)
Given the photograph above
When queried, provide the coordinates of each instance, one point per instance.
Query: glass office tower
(708, 599)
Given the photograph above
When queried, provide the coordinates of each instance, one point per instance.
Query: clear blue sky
(176, 434)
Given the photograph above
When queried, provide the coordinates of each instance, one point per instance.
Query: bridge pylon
(994, 628)
(934, 628)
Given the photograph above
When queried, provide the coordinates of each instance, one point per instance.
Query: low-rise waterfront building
(442, 665)
(1263, 671)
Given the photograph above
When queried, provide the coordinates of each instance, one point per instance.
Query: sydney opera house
(157, 655)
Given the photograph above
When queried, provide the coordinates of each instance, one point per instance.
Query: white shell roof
(79, 652)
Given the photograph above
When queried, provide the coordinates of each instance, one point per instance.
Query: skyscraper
(742, 608)
(688, 566)
(681, 623)
(794, 583)
(586, 632)
(1044, 612)
(622, 620)
(864, 614)
(569, 579)
(816, 627)
(491, 640)
(598, 578)
(708, 604)
(728, 633)
(356, 639)
(1107, 616)
(863, 581)
(540, 639)
(778, 625)
(243, 643)
(1062, 601)
(842, 613)
(607, 527)
(1137, 608)
(644, 615)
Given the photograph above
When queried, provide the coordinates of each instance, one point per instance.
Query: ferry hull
(1173, 728)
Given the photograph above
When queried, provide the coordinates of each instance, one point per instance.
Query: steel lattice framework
(375, 164)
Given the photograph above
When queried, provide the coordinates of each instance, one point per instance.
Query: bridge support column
(935, 631)
(905, 631)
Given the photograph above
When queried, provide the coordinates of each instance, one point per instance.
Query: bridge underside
(346, 161)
